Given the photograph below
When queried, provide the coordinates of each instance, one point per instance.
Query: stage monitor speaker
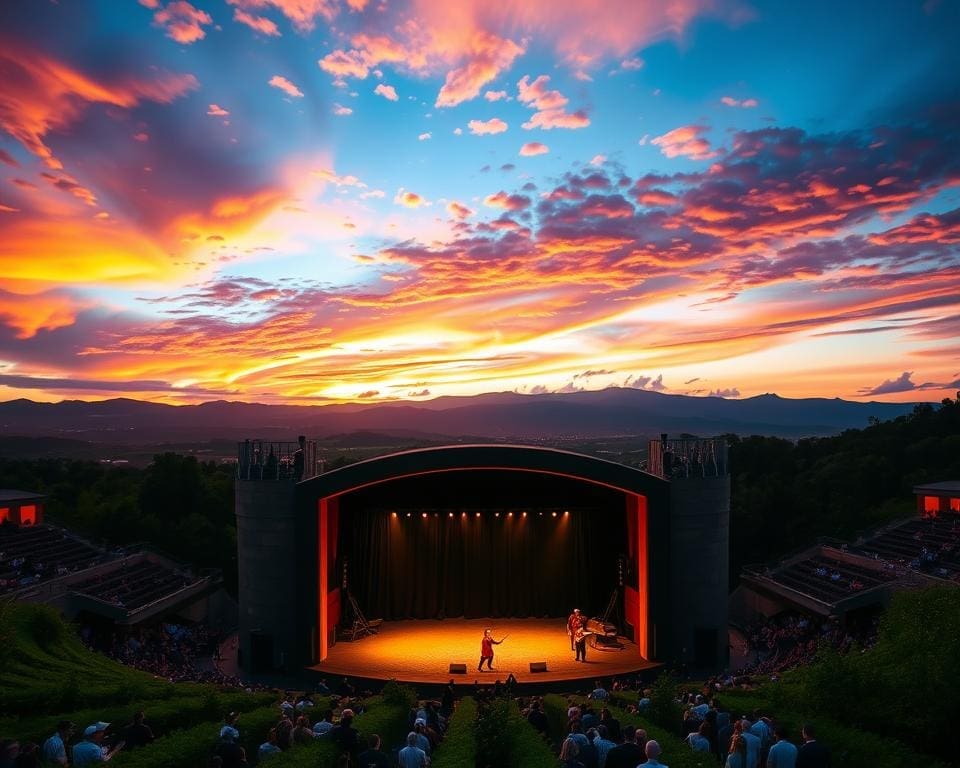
(458, 669)
(538, 666)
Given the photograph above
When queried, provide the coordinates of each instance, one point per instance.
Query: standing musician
(486, 649)
(574, 620)
(580, 642)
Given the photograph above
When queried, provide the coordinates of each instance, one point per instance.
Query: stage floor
(421, 651)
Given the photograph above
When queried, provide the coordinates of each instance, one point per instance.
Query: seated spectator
(423, 741)
(568, 754)
(269, 747)
(138, 733)
(630, 753)
(345, 736)
(411, 756)
(603, 745)
(303, 733)
(611, 724)
(229, 729)
(90, 750)
(537, 719)
(698, 740)
(753, 744)
(700, 707)
(644, 703)
(324, 725)
(55, 748)
(599, 693)
(653, 754)
(782, 754)
(372, 757)
(589, 718)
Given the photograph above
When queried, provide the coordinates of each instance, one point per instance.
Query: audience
(782, 753)
(55, 748)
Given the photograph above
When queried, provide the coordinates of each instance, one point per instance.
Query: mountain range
(504, 415)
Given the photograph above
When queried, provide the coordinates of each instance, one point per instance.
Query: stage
(420, 651)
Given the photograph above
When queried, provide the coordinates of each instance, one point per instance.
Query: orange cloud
(408, 199)
(183, 22)
(686, 141)
(495, 95)
(41, 94)
(458, 210)
(342, 64)
(532, 148)
(278, 81)
(484, 127)
(29, 313)
(217, 111)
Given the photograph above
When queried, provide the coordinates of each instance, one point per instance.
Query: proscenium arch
(646, 505)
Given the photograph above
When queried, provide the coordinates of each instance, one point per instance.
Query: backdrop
(508, 566)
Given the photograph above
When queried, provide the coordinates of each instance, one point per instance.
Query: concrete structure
(676, 522)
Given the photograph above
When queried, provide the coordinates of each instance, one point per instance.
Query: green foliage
(834, 486)
(493, 739)
(664, 709)
(401, 695)
(459, 747)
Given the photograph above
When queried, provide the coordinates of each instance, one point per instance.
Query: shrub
(459, 747)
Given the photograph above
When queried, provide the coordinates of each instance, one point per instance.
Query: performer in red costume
(486, 649)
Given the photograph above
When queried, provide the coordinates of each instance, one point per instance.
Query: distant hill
(504, 415)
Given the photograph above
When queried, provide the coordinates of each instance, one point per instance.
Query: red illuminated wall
(28, 514)
(4, 514)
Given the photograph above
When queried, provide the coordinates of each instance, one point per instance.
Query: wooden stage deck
(420, 651)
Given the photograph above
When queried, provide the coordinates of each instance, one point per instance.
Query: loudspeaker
(538, 666)
(458, 669)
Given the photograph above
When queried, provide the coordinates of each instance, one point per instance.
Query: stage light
(566, 512)
(541, 514)
(524, 514)
(408, 514)
(496, 514)
(451, 514)
(393, 514)
(478, 514)
(509, 514)
(423, 515)
(554, 514)
(463, 514)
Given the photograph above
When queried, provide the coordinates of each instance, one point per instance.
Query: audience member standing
(373, 757)
(138, 733)
(411, 756)
(812, 754)
(782, 754)
(55, 748)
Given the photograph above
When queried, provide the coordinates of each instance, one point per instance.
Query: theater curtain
(441, 566)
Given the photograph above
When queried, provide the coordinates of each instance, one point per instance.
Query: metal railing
(262, 460)
(688, 457)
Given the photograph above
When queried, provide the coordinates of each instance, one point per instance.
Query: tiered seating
(931, 546)
(133, 585)
(828, 579)
(34, 554)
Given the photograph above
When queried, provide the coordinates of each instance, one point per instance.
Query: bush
(401, 695)
(459, 747)
(664, 709)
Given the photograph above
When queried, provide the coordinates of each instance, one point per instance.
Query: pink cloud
(598, 160)
(340, 111)
(532, 148)
(732, 102)
(632, 64)
(686, 141)
(278, 81)
(495, 95)
(484, 127)
(217, 111)
(488, 56)
(549, 106)
(345, 64)
(183, 22)
(260, 24)
(302, 14)
(387, 91)
(425, 136)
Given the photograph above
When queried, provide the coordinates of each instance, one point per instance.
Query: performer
(580, 642)
(574, 620)
(486, 650)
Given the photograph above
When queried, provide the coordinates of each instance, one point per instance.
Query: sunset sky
(321, 200)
